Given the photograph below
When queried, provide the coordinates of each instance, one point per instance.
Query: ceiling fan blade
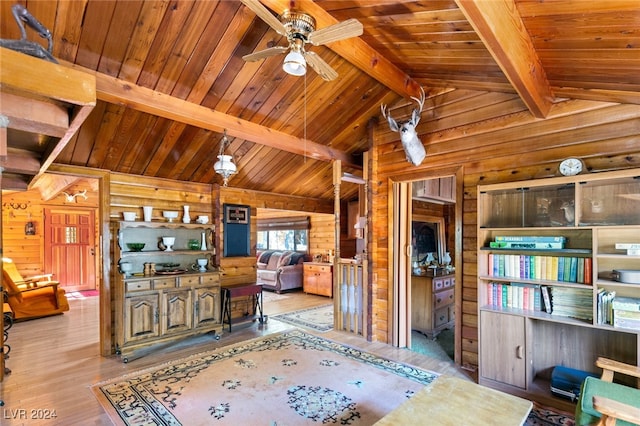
(318, 64)
(264, 14)
(339, 31)
(272, 51)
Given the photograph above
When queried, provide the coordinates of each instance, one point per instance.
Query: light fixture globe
(225, 167)
(294, 64)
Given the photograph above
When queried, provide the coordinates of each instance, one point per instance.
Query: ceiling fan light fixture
(294, 64)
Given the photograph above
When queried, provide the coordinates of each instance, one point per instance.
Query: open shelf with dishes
(549, 286)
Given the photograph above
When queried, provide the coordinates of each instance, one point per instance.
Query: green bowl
(135, 246)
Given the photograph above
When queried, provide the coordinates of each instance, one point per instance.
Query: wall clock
(571, 166)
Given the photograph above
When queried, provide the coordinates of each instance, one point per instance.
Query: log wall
(27, 251)
(492, 139)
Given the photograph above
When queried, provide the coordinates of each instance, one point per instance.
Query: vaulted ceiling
(170, 78)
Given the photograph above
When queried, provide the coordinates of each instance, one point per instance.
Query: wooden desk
(253, 290)
(457, 402)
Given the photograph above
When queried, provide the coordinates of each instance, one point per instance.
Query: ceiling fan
(300, 29)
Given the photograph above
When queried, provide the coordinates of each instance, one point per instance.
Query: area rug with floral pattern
(281, 379)
(319, 318)
(546, 416)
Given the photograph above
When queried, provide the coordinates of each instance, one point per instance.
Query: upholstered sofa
(280, 270)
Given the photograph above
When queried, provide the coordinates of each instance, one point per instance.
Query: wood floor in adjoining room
(55, 360)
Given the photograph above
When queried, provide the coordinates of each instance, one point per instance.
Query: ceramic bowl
(129, 216)
(135, 246)
(170, 215)
(168, 243)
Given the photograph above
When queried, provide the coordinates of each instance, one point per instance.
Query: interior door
(70, 247)
(401, 335)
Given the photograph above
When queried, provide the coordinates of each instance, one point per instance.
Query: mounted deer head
(413, 147)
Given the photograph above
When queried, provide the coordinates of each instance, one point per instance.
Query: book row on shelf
(528, 242)
(515, 295)
(534, 267)
(620, 312)
(560, 301)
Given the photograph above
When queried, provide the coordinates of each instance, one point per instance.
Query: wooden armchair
(603, 402)
(33, 297)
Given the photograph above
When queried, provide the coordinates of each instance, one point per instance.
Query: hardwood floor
(55, 360)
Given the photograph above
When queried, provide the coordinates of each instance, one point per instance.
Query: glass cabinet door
(540, 206)
(610, 202)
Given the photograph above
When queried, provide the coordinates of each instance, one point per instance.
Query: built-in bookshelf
(550, 253)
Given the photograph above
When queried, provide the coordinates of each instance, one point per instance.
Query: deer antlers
(413, 147)
(71, 198)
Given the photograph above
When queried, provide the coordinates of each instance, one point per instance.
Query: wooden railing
(350, 307)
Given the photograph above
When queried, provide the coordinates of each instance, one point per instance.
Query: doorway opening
(426, 259)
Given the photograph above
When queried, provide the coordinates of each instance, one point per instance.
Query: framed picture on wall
(234, 213)
(236, 230)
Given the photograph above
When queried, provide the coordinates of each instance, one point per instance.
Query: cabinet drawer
(449, 282)
(209, 279)
(164, 283)
(137, 285)
(318, 268)
(438, 284)
(442, 298)
(189, 280)
(441, 317)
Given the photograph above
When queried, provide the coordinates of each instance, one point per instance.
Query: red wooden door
(70, 247)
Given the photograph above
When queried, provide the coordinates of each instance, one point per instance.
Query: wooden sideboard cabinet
(432, 303)
(177, 301)
(318, 278)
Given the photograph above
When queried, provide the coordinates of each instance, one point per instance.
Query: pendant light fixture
(224, 166)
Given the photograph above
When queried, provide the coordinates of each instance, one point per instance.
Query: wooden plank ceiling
(170, 77)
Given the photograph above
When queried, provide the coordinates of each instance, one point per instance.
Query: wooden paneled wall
(27, 251)
(130, 193)
(493, 138)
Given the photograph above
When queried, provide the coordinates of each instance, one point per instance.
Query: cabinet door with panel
(177, 311)
(141, 314)
(502, 348)
(207, 306)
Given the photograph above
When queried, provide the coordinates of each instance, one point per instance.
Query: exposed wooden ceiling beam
(29, 100)
(502, 31)
(51, 184)
(34, 116)
(20, 161)
(120, 92)
(14, 182)
(354, 50)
